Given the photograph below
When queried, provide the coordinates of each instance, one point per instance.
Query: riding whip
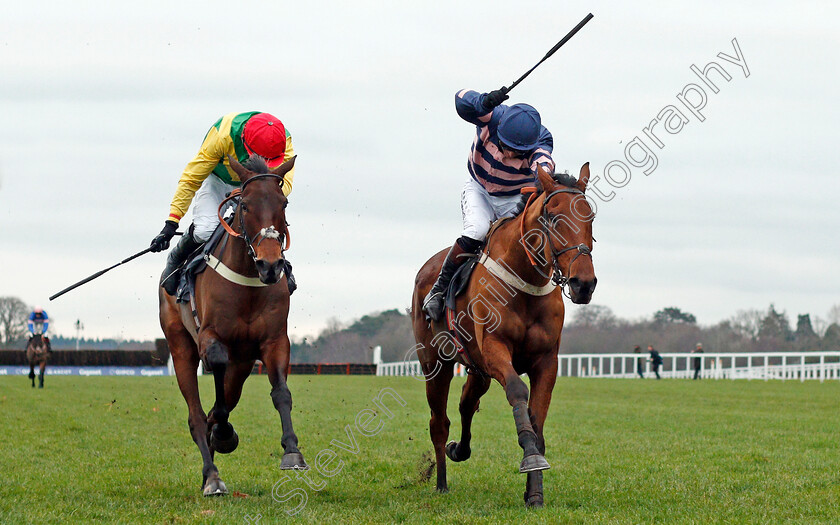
(552, 50)
(99, 273)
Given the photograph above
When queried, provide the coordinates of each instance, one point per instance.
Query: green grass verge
(117, 450)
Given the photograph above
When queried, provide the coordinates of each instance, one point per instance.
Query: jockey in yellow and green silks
(208, 178)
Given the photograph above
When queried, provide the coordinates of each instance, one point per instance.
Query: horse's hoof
(532, 463)
(452, 452)
(293, 461)
(443, 490)
(224, 446)
(534, 502)
(215, 487)
(40, 386)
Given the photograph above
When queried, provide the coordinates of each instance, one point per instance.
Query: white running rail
(771, 365)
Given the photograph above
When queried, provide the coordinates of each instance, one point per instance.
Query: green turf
(93, 449)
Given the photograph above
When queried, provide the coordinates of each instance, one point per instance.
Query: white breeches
(479, 209)
(206, 206)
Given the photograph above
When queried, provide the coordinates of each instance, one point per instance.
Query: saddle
(461, 278)
(195, 264)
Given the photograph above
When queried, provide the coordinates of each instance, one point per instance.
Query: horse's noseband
(267, 233)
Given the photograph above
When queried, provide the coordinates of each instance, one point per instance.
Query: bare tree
(833, 316)
(747, 323)
(13, 316)
(594, 316)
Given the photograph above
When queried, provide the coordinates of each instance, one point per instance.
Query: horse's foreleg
(186, 367)
(475, 387)
(223, 437)
(32, 373)
(437, 393)
(497, 356)
(276, 359)
(543, 375)
(41, 374)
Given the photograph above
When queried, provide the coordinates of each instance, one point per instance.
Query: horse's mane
(256, 164)
(563, 179)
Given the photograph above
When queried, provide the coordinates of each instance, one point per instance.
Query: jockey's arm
(469, 107)
(542, 155)
(289, 178)
(197, 170)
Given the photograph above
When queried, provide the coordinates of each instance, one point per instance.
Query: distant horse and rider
(238, 314)
(37, 353)
(508, 321)
(38, 347)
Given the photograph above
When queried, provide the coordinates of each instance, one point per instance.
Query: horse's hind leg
(475, 387)
(276, 359)
(437, 393)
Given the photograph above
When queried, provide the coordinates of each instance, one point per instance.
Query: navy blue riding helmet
(519, 128)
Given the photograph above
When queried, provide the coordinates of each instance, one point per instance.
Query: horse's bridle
(264, 233)
(557, 276)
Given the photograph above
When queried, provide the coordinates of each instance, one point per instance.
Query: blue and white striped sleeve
(469, 107)
(542, 155)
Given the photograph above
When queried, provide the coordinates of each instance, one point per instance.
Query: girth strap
(513, 280)
(232, 276)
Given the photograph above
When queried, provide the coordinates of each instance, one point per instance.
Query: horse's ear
(545, 180)
(240, 170)
(583, 179)
(284, 168)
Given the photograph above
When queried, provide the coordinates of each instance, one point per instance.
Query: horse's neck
(506, 246)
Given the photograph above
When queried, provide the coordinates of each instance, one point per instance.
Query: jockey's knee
(202, 230)
(470, 244)
(475, 231)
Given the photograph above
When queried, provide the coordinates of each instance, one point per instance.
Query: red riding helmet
(265, 135)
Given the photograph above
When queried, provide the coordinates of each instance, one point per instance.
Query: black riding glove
(494, 98)
(161, 242)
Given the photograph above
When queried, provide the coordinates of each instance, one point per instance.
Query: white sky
(104, 103)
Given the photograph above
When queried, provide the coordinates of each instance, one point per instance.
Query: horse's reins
(265, 233)
(557, 276)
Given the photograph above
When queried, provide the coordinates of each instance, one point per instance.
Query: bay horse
(37, 352)
(241, 313)
(509, 321)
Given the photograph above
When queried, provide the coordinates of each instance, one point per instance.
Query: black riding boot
(433, 303)
(172, 273)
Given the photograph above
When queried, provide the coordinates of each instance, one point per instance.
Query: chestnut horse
(509, 320)
(37, 351)
(239, 320)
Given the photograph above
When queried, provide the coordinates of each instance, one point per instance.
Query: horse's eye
(286, 205)
(244, 207)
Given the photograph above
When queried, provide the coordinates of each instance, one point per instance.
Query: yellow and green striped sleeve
(289, 178)
(214, 148)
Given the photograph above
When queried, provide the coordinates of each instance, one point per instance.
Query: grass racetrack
(117, 449)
